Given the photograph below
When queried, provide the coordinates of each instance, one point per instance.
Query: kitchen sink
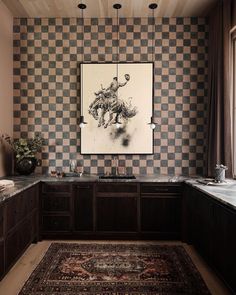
(117, 177)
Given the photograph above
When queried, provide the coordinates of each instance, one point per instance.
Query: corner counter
(24, 182)
(225, 194)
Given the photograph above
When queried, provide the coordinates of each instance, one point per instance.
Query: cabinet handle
(83, 187)
(161, 189)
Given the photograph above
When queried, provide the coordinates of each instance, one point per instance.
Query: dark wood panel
(202, 225)
(161, 214)
(1, 222)
(52, 203)
(34, 226)
(211, 228)
(2, 259)
(31, 196)
(84, 208)
(12, 212)
(154, 188)
(56, 187)
(117, 188)
(117, 214)
(17, 241)
(24, 234)
(12, 248)
(224, 244)
(56, 223)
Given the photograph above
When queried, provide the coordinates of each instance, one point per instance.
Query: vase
(26, 166)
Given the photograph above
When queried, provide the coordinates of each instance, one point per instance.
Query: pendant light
(153, 6)
(82, 123)
(117, 6)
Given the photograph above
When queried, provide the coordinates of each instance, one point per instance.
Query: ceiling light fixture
(153, 6)
(117, 6)
(82, 123)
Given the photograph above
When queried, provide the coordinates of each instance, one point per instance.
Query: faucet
(115, 168)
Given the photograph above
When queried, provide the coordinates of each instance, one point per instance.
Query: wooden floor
(14, 280)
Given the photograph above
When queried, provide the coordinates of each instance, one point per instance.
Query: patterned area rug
(109, 269)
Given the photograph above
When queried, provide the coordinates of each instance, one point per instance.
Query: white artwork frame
(106, 100)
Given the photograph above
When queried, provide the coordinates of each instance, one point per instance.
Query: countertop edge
(24, 183)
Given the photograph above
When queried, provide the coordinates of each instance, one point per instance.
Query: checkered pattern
(47, 53)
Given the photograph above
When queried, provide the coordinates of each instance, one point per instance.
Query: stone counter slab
(224, 194)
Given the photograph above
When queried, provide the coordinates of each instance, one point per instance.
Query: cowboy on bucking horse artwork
(107, 101)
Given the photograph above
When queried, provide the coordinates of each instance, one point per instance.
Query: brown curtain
(234, 13)
(219, 145)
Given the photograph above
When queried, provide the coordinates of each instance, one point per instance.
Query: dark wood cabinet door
(224, 244)
(230, 251)
(24, 234)
(161, 214)
(18, 241)
(31, 196)
(117, 214)
(56, 223)
(12, 248)
(84, 207)
(12, 212)
(202, 224)
(55, 203)
(117, 188)
(56, 188)
(2, 260)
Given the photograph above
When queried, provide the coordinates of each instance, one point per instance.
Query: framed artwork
(117, 108)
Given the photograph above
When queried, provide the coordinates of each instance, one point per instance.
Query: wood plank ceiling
(103, 8)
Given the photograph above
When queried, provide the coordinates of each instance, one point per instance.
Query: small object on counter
(60, 174)
(211, 181)
(121, 170)
(220, 173)
(72, 174)
(53, 173)
(4, 184)
(73, 165)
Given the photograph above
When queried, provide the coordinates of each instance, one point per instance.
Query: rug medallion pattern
(109, 269)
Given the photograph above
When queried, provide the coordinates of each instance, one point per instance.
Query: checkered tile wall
(47, 53)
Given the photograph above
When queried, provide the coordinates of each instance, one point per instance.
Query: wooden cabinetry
(116, 207)
(84, 207)
(19, 228)
(56, 208)
(161, 210)
(211, 229)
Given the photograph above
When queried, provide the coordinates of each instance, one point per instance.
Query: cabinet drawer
(56, 188)
(117, 188)
(55, 203)
(161, 189)
(56, 223)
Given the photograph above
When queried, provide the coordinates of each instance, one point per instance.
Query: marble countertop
(21, 184)
(24, 182)
(225, 194)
